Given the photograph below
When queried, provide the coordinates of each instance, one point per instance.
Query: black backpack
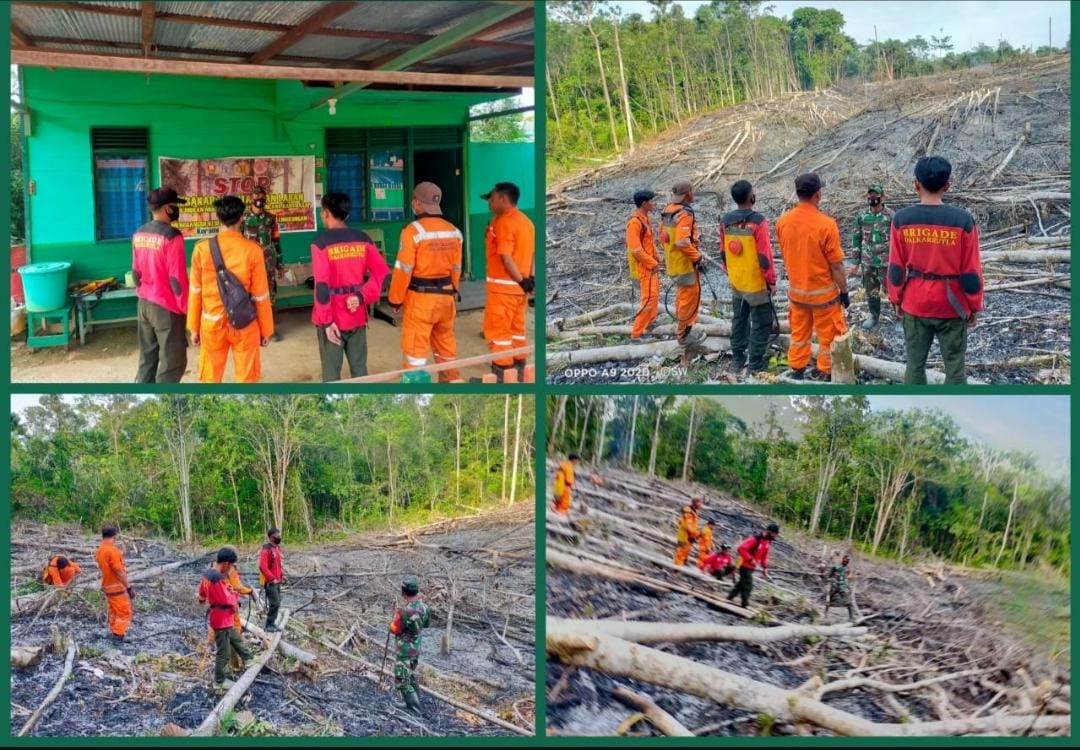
(239, 306)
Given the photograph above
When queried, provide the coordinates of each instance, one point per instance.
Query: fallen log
(212, 723)
(54, 693)
(26, 656)
(670, 632)
(302, 656)
(564, 323)
(1029, 282)
(887, 687)
(573, 564)
(625, 352)
(616, 657)
(658, 717)
(372, 673)
(1012, 152)
(1027, 256)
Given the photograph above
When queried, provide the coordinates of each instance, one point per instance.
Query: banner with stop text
(289, 182)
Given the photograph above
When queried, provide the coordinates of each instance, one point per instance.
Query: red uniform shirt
(717, 561)
(270, 563)
(345, 263)
(214, 589)
(934, 267)
(754, 551)
(160, 266)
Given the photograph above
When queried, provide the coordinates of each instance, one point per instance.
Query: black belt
(115, 593)
(917, 274)
(356, 289)
(433, 286)
(229, 607)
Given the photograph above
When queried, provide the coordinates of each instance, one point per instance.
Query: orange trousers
(504, 325)
(427, 322)
(216, 341)
(827, 322)
(119, 613)
(687, 306)
(562, 503)
(702, 552)
(682, 553)
(650, 304)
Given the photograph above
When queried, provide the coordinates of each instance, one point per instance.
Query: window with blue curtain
(345, 174)
(121, 174)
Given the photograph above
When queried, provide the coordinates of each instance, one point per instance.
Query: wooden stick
(682, 632)
(1030, 282)
(659, 718)
(211, 725)
(480, 359)
(54, 693)
(1009, 156)
(302, 656)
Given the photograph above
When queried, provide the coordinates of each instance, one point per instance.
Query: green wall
(193, 117)
(497, 162)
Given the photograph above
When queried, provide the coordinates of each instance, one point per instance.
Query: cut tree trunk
(54, 693)
(212, 723)
(661, 719)
(843, 359)
(26, 656)
(649, 633)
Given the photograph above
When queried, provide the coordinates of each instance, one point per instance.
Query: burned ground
(341, 592)
(1005, 129)
(924, 620)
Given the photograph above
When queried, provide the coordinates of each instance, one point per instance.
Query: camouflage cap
(410, 587)
(875, 189)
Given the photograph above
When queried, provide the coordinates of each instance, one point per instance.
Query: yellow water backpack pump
(676, 261)
(741, 257)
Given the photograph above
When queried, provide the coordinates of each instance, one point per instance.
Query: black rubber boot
(500, 373)
(799, 374)
(519, 365)
(412, 702)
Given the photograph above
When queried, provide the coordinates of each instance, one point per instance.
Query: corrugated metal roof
(201, 36)
(406, 18)
(478, 56)
(288, 13)
(339, 47)
(75, 25)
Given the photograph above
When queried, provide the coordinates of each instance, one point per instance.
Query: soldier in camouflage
(261, 226)
(870, 250)
(411, 617)
(839, 591)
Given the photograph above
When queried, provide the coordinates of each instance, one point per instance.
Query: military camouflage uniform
(870, 249)
(839, 591)
(263, 229)
(415, 616)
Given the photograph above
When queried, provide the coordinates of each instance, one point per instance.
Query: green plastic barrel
(45, 285)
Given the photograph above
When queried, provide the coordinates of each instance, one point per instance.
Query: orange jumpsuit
(688, 532)
(809, 243)
(425, 281)
(562, 502)
(704, 546)
(641, 243)
(110, 560)
(509, 233)
(54, 576)
(686, 241)
(206, 313)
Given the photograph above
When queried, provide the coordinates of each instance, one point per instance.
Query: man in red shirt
(720, 564)
(753, 552)
(935, 278)
(271, 576)
(159, 266)
(349, 274)
(214, 589)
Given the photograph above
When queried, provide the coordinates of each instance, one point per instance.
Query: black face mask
(875, 201)
(259, 203)
(173, 212)
(275, 539)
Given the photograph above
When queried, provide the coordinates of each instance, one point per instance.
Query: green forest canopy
(613, 78)
(230, 466)
(900, 483)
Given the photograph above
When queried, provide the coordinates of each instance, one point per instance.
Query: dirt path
(160, 675)
(111, 355)
(925, 619)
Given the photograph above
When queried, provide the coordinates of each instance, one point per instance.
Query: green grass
(1035, 606)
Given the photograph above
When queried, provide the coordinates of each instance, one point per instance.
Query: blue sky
(1022, 24)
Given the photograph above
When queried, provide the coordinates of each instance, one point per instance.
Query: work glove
(527, 283)
(845, 300)
(699, 265)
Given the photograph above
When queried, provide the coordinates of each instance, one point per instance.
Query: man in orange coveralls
(60, 571)
(207, 320)
(817, 291)
(681, 238)
(510, 247)
(114, 583)
(564, 483)
(349, 274)
(704, 544)
(425, 282)
(645, 262)
(688, 531)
